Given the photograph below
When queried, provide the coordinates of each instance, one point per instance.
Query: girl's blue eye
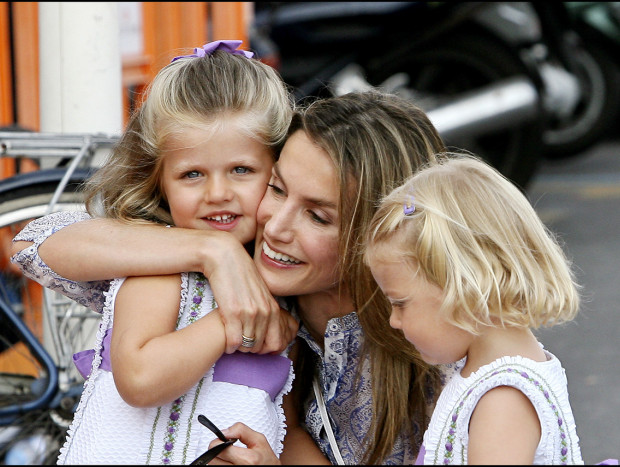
(192, 174)
(241, 170)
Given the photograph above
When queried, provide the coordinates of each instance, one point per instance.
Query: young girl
(470, 270)
(197, 154)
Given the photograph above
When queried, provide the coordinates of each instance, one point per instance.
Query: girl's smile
(216, 181)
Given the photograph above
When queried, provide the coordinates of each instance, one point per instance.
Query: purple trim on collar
(266, 372)
(84, 360)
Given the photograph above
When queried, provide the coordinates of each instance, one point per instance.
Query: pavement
(578, 198)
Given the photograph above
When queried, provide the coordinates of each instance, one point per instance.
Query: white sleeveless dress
(544, 383)
(106, 430)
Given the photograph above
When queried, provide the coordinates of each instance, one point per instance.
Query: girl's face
(216, 181)
(298, 222)
(415, 310)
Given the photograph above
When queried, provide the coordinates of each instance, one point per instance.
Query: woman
(343, 154)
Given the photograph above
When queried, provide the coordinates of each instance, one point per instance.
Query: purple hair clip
(230, 46)
(409, 205)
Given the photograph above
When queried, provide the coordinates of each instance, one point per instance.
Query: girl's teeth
(225, 218)
(278, 256)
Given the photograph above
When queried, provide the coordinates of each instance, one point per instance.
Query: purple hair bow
(230, 46)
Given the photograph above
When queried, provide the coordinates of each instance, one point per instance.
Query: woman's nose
(278, 222)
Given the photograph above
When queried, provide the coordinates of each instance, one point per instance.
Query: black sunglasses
(209, 455)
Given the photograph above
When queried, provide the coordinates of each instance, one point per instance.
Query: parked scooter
(564, 36)
(484, 93)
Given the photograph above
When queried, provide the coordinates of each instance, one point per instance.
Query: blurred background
(532, 87)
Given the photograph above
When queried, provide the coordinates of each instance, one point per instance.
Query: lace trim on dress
(89, 386)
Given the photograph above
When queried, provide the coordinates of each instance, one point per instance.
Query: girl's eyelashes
(397, 303)
(191, 174)
(241, 170)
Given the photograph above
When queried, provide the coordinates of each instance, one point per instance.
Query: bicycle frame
(40, 388)
(10, 412)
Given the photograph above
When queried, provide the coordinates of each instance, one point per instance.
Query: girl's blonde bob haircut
(475, 235)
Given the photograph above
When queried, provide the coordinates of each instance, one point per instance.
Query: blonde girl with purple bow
(470, 271)
(198, 155)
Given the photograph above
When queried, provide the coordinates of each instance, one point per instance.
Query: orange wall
(167, 27)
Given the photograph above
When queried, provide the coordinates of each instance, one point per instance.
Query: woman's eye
(315, 217)
(276, 189)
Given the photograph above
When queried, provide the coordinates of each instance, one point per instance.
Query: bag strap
(326, 424)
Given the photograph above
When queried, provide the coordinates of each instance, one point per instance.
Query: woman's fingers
(257, 451)
(246, 306)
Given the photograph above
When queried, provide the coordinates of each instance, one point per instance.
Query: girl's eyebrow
(315, 201)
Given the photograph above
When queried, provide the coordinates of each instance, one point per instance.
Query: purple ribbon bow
(230, 46)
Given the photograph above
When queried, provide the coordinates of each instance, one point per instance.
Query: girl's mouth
(224, 219)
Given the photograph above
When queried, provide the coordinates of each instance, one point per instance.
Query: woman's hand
(258, 451)
(246, 305)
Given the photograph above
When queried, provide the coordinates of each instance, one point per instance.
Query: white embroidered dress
(544, 383)
(106, 430)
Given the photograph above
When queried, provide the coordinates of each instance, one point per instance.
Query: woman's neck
(317, 309)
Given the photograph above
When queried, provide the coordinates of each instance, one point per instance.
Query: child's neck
(496, 342)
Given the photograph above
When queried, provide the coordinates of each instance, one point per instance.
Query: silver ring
(247, 341)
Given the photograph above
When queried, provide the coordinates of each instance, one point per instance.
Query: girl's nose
(394, 320)
(218, 190)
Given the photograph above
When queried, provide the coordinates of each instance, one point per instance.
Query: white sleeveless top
(106, 430)
(544, 383)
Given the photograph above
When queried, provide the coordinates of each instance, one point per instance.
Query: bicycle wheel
(62, 326)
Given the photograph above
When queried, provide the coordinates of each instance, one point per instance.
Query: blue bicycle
(41, 329)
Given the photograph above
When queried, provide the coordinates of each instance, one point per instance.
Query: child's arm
(101, 249)
(504, 429)
(152, 362)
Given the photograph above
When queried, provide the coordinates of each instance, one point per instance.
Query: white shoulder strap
(326, 424)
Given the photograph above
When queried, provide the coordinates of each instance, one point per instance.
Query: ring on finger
(247, 341)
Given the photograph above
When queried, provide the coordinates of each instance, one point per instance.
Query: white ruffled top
(106, 430)
(544, 383)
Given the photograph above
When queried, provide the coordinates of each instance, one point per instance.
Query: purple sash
(266, 372)
(84, 360)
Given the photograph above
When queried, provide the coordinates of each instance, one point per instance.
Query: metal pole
(80, 67)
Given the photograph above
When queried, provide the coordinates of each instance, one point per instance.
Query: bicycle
(41, 329)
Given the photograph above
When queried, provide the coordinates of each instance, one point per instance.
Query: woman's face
(298, 222)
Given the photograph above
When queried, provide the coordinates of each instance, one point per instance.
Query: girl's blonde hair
(376, 141)
(196, 92)
(475, 235)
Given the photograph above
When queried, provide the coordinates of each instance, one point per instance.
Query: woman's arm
(153, 363)
(26, 260)
(101, 249)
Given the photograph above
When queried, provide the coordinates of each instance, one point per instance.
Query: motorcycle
(485, 93)
(571, 36)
